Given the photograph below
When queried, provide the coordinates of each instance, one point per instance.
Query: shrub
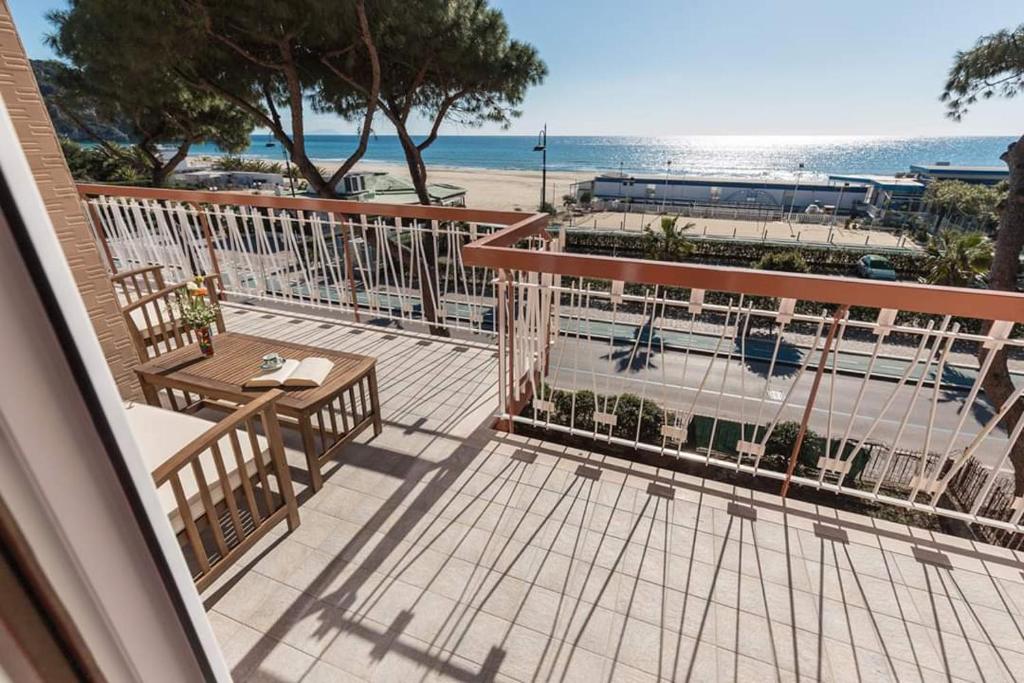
(788, 261)
(99, 164)
(780, 443)
(630, 414)
(585, 402)
(229, 162)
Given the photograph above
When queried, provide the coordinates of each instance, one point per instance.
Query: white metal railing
(897, 417)
(760, 213)
(723, 380)
(380, 266)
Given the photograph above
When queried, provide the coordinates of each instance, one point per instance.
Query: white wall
(781, 197)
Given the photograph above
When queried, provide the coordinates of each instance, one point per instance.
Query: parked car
(873, 267)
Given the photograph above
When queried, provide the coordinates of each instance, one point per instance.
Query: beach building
(227, 180)
(384, 188)
(738, 193)
(885, 192)
(943, 170)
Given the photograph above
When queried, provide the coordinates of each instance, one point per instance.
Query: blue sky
(675, 67)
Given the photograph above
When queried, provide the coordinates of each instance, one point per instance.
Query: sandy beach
(489, 188)
(485, 188)
(510, 190)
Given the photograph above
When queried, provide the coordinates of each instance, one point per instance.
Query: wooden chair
(132, 285)
(223, 485)
(154, 320)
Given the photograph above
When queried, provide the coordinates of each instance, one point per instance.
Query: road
(743, 392)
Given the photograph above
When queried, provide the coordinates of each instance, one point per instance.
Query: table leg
(375, 401)
(316, 480)
(150, 393)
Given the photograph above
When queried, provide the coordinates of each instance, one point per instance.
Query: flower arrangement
(197, 312)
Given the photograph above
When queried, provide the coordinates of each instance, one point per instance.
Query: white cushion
(161, 433)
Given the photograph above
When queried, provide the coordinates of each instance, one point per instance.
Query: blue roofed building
(984, 175)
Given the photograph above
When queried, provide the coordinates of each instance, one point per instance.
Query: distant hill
(45, 70)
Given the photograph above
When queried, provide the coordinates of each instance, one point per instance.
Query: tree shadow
(980, 408)
(757, 355)
(626, 360)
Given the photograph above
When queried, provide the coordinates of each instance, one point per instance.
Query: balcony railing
(872, 389)
(383, 261)
(865, 389)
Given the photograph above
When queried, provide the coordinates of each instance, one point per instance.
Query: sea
(775, 156)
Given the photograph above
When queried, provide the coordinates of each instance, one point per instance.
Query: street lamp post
(542, 147)
(796, 189)
(622, 192)
(839, 202)
(664, 194)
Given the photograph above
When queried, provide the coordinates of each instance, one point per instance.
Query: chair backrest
(132, 285)
(155, 324)
(231, 486)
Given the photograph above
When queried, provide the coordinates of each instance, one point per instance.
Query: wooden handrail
(198, 445)
(337, 206)
(150, 298)
(533, 224)
(123, 274)
(905, 296)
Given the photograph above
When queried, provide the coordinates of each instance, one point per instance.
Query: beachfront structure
(885, 192)
(204, 179)
(984, 175)
(381, 187)
(733, 193)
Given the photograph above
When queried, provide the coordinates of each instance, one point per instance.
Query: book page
(275, 378)
(311, 372)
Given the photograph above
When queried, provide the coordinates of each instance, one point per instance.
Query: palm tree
(669, 243)
(957, 259)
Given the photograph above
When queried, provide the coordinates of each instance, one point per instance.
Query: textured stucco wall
(20, 93)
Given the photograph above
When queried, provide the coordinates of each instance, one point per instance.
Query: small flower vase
(205, 340)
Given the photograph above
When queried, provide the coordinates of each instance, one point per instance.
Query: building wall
(20, 93)
(727, 194)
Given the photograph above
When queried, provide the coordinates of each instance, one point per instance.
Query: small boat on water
(269, 144)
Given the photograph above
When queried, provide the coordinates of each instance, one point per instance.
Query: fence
(872, 385)
(844, 382)
(392, 262)
(761, 213)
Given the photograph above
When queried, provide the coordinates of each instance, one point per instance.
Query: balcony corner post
(822, 362)
(214, 262)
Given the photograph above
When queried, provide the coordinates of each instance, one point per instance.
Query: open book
(310, 372)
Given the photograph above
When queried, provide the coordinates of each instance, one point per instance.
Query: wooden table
(327, 416)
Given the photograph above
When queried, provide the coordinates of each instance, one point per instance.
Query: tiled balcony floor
(444, 551)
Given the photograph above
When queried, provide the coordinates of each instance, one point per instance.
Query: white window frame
(70, 471)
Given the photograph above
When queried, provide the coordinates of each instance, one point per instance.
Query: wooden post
(100, 235)
(346, 244)
(510, 326)
(214, 263)
(840, 312)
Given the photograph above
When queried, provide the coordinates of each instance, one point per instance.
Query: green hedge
(702, 431)
(831, 259)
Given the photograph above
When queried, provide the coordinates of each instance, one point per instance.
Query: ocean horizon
(776, 156)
